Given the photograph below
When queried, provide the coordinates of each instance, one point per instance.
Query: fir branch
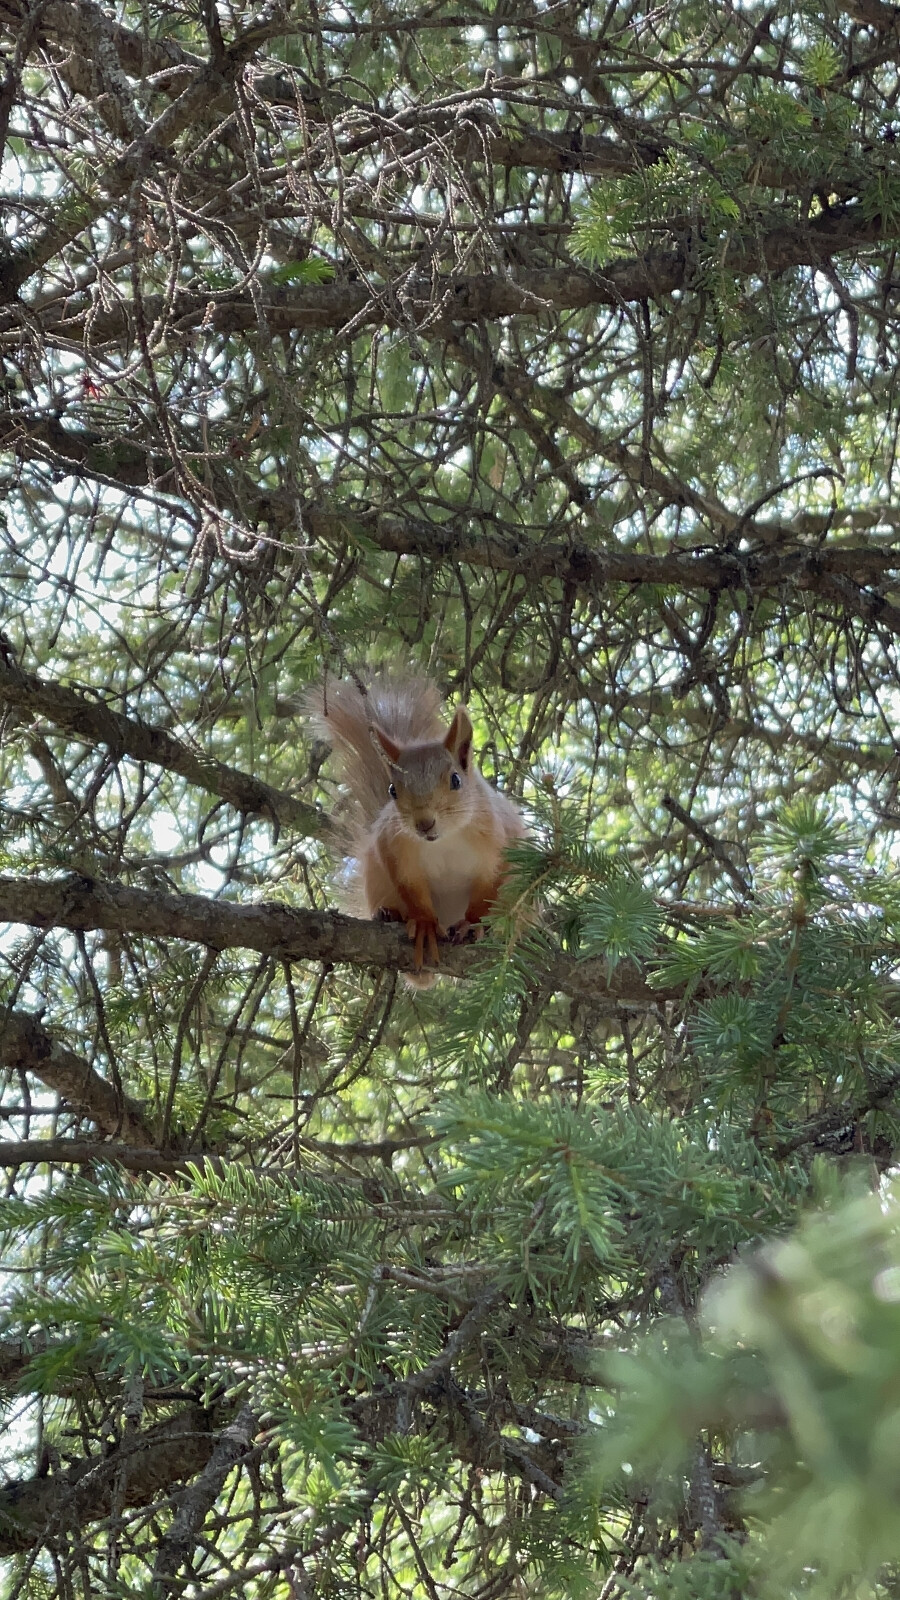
(471, 1325)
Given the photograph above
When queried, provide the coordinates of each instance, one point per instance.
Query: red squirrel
(425, 831)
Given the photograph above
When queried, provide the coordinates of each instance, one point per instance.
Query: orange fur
(431, 852)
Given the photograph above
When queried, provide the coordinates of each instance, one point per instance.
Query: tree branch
(147, 1465)
(836, 1119)
(526, 292)
(283, 933)
(97, 723)
(512, 143)
(197, 1500)
(26, 1046)
(838, 572)
(82, 1152)
(471, 1325)
(710, 843)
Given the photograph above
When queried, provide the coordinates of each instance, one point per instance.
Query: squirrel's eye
(392, 791)
(455, 780)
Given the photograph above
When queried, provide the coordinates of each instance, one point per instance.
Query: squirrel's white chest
(451, 866)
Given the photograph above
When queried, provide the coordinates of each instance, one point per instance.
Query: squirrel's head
(430, 784)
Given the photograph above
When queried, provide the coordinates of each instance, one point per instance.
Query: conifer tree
(549, 351)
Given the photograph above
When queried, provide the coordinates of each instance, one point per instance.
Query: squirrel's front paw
(387, 914)
(426, 931)
(466, 932)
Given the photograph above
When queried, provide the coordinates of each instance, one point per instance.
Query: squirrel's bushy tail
(408, 708)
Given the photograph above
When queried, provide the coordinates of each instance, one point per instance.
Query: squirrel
(424, 830)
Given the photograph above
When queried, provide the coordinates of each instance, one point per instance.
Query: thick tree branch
(197, 1500)
(485, 298)
(801, 567)
(148, 1464)
(83, 1152)
(282, 932)
(97, 723)
(26, 1046)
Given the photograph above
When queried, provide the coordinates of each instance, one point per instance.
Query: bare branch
(98, 724)
(148, 1464)
(711, 843)
(26, 1046)
(140, 157)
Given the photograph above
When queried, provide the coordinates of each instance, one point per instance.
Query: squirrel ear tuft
(459, 737)
(387, 747)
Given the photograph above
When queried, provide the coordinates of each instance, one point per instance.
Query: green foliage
(312, 270)
(620, 921)
(880, 196)
(720, 1574)
(822, 63)
(402, 1461)
(316, 1438)
(800, 1367)
(558, 1186)
(663, 196)
(800, 974)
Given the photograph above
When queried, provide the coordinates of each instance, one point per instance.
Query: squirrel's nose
(426, 825)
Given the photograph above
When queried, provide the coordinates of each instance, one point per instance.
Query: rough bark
(281, 931)
(26, 1046)
(197, 1500)
(148, 1464)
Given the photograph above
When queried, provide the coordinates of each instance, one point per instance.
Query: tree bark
(99, 724)
(26, 1046)
(78, 903)
(150, 1463)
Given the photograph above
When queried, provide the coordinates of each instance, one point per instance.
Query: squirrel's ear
(459, 737)
(384, 744)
